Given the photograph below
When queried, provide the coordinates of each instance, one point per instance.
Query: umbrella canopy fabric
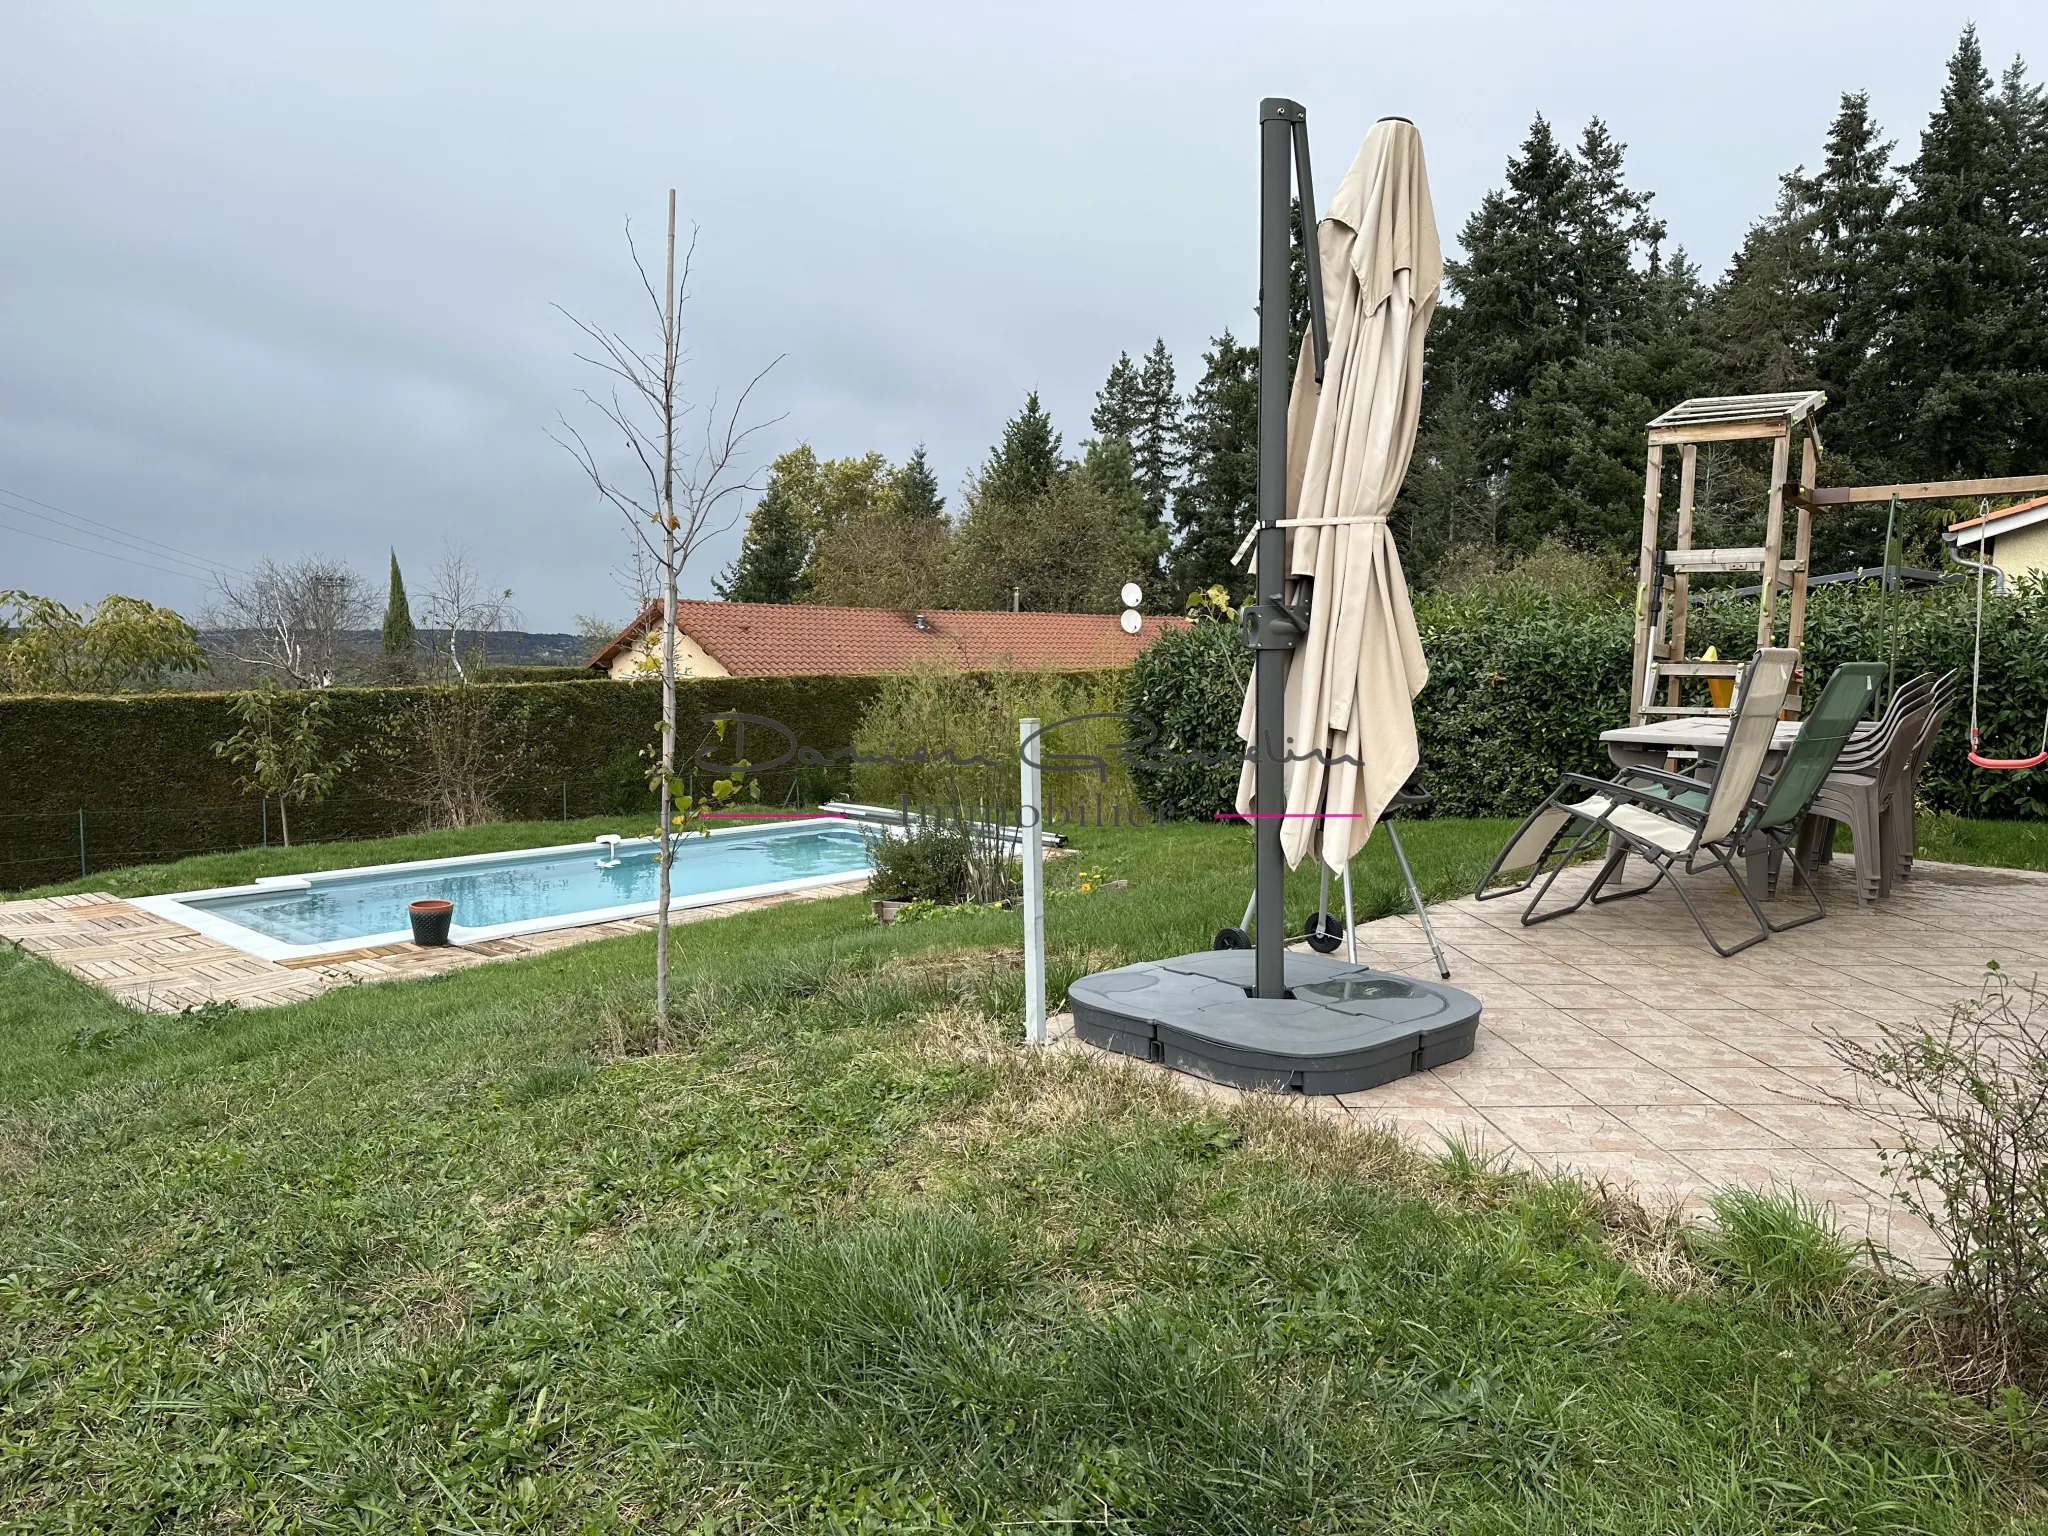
(1352, 681)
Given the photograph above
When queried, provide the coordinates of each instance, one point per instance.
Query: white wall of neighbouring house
(643, 657)
(2022, 552)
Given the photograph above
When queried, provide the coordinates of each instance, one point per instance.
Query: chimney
(917, 621)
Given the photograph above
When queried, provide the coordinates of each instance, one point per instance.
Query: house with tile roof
(2015, 538)
(798, 639)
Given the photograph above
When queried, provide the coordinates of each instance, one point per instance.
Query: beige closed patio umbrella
(1352, 680)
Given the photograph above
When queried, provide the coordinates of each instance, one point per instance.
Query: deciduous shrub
(1967, 1102)
(949, 739)
(947, 863)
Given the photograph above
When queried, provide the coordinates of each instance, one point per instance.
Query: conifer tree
(1116, 403)
(1027, 461)
(917, 490)
(1217, 499)
(400, 638)
(1850, 201)
(1960, 387)
(773, 552)
(1155, 434)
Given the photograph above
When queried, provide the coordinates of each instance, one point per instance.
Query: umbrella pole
(1274, 631)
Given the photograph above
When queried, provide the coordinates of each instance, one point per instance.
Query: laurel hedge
(1521, 685)
(136, 779)
(1523, 682)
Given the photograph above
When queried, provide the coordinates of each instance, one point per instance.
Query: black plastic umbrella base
(1341, 1028)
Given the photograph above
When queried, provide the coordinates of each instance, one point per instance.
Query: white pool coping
(178, 909)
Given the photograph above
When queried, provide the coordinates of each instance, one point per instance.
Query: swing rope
(1976, 672)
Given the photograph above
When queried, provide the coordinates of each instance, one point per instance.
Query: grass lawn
(2008, 844)
(458, 1255)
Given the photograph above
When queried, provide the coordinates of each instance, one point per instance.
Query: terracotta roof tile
(800, 639)
(2023, 506)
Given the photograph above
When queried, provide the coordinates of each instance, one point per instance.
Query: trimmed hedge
(143, 772)
(1522, 684)
(525, 674)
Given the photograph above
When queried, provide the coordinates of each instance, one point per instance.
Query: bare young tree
(289, 619)
(459, 601)
(674, 496)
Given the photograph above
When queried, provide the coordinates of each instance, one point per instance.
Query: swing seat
(2009, 763)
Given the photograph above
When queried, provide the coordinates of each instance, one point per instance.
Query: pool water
(548, 884)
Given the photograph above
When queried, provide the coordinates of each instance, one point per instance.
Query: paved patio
(1616, 1044)
(152, 963)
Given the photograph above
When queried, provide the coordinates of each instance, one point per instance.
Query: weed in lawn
(1777, 1242)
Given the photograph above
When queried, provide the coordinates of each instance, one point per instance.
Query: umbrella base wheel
(1341, 1028)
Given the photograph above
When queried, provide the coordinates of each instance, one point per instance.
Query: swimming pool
(496, 895)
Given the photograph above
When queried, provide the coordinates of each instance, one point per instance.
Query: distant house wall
(644, 656)
(2021, 552)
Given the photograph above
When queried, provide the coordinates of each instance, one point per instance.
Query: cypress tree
(400, 638)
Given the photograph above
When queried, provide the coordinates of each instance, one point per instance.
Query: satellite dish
(1131, 622)
(1132, 594)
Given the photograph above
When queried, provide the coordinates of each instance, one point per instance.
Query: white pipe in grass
(1031, 852)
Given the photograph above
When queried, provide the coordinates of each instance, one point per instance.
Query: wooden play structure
(1664, 573)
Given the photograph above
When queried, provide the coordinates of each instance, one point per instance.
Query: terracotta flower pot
(430, 921)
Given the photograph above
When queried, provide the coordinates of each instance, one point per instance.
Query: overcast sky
(274, 283)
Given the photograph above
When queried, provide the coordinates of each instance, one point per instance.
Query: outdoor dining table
(1706, 737)
(1647, 746)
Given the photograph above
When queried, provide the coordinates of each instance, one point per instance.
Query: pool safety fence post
(565, 799)
(1031, 854)
(81, 842)
(266, 821)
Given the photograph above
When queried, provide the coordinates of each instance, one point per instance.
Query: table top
(1705, 731)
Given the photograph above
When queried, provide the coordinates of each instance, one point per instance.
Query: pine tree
(1560, 269)
(1577, 470)
(1155, 434)
(773, 553)
(1959, 387)
(1116, 403)
(400, 638)
(917, 490)
(1514, 286)
(1217, 499)
(1607, 227)
(1027, 461)
(1850, 201)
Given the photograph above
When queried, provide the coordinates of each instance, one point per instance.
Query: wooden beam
(1653, 484)
(1774, 543)
(1925, 490)
(1681, 594)
(1719, 432)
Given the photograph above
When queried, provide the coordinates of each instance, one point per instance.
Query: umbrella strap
(1296, 522)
